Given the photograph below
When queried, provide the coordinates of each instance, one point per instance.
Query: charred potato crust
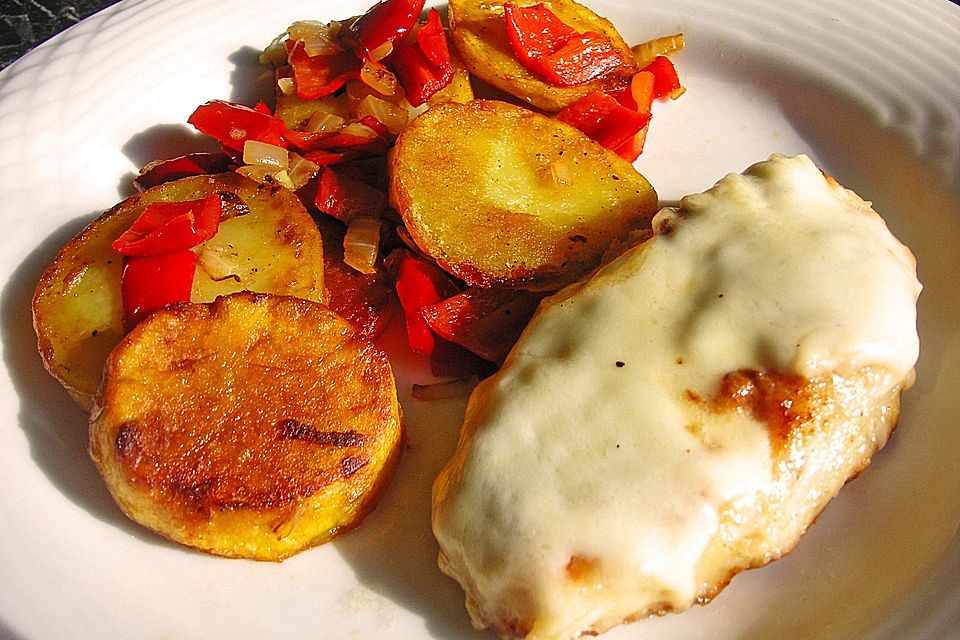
(479, 32)
(274, 247)
(474, 184)
(252, 427)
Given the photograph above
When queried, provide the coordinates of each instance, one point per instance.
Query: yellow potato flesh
(476, 188)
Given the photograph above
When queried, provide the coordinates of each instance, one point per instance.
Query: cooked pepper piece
(386, 21)
(191, 164)
(149, 283)
(424, 66)
(321, 75)
(346, 198)
(486, 322)
(165, 227)
(605, 120)
(233, 124)
(419, 284)
(666, 81)
(553, 50)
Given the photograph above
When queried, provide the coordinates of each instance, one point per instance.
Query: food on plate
(490, 35)
(685, 412)
(254, 426)
(501, 196)
(265, 242)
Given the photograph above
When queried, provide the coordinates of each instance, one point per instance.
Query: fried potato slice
(272, 247)
(255, 426)
(477, 189)
(479, 32)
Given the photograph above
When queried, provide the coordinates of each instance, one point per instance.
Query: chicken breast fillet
(683, 414)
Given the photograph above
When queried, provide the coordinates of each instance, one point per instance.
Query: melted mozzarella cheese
(586, 487)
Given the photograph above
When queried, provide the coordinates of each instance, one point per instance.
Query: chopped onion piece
(283, 178)
(266, 175)
(644, 53)
(560, 172)
(394, 117)
(361, 244)
(301, 170)
(267, 155)
(308, 29)
(382, 51)
(378, 78)
(321, 121)
(445, 390)
(215, 262)
(285, 85)
(321, 45)
(359, 130)
(275, 55)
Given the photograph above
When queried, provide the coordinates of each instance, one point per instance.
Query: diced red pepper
(378, 127)
(419, 284)
(233, 124)
(192, 164)
(666, 81)
(386, 21)
(164, 227)
(345, 197)
(634, 147)
(323, 158)
(152, 282)
(604, 119)
(318, 76)
(486, 322)
(548, 47)
(639, 95)
(432, 41)
(424, 66)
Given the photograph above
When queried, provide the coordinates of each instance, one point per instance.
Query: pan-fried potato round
(476, 188)
(479, 32)
(78, 309)
(253, 427)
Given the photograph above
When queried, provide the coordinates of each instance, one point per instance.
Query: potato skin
(252, 427)
(473, 184)
(479, 33)
(77, 306)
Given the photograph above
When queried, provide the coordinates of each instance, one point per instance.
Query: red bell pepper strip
(432, 41)
(386, 21)
(424, 66)
(152, 282)
(638, 96)
(345, 197)
(318, 76)
(486, 322)
(419, 284)
(191, 164)
(233, 124)
(604, 119)
(164, 227)
(553, 50)
(666, 81)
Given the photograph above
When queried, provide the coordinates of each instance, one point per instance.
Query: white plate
(871, 90)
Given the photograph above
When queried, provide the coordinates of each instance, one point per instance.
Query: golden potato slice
(479, 32)
(477, 187)
(252, 427)
(77, 307)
